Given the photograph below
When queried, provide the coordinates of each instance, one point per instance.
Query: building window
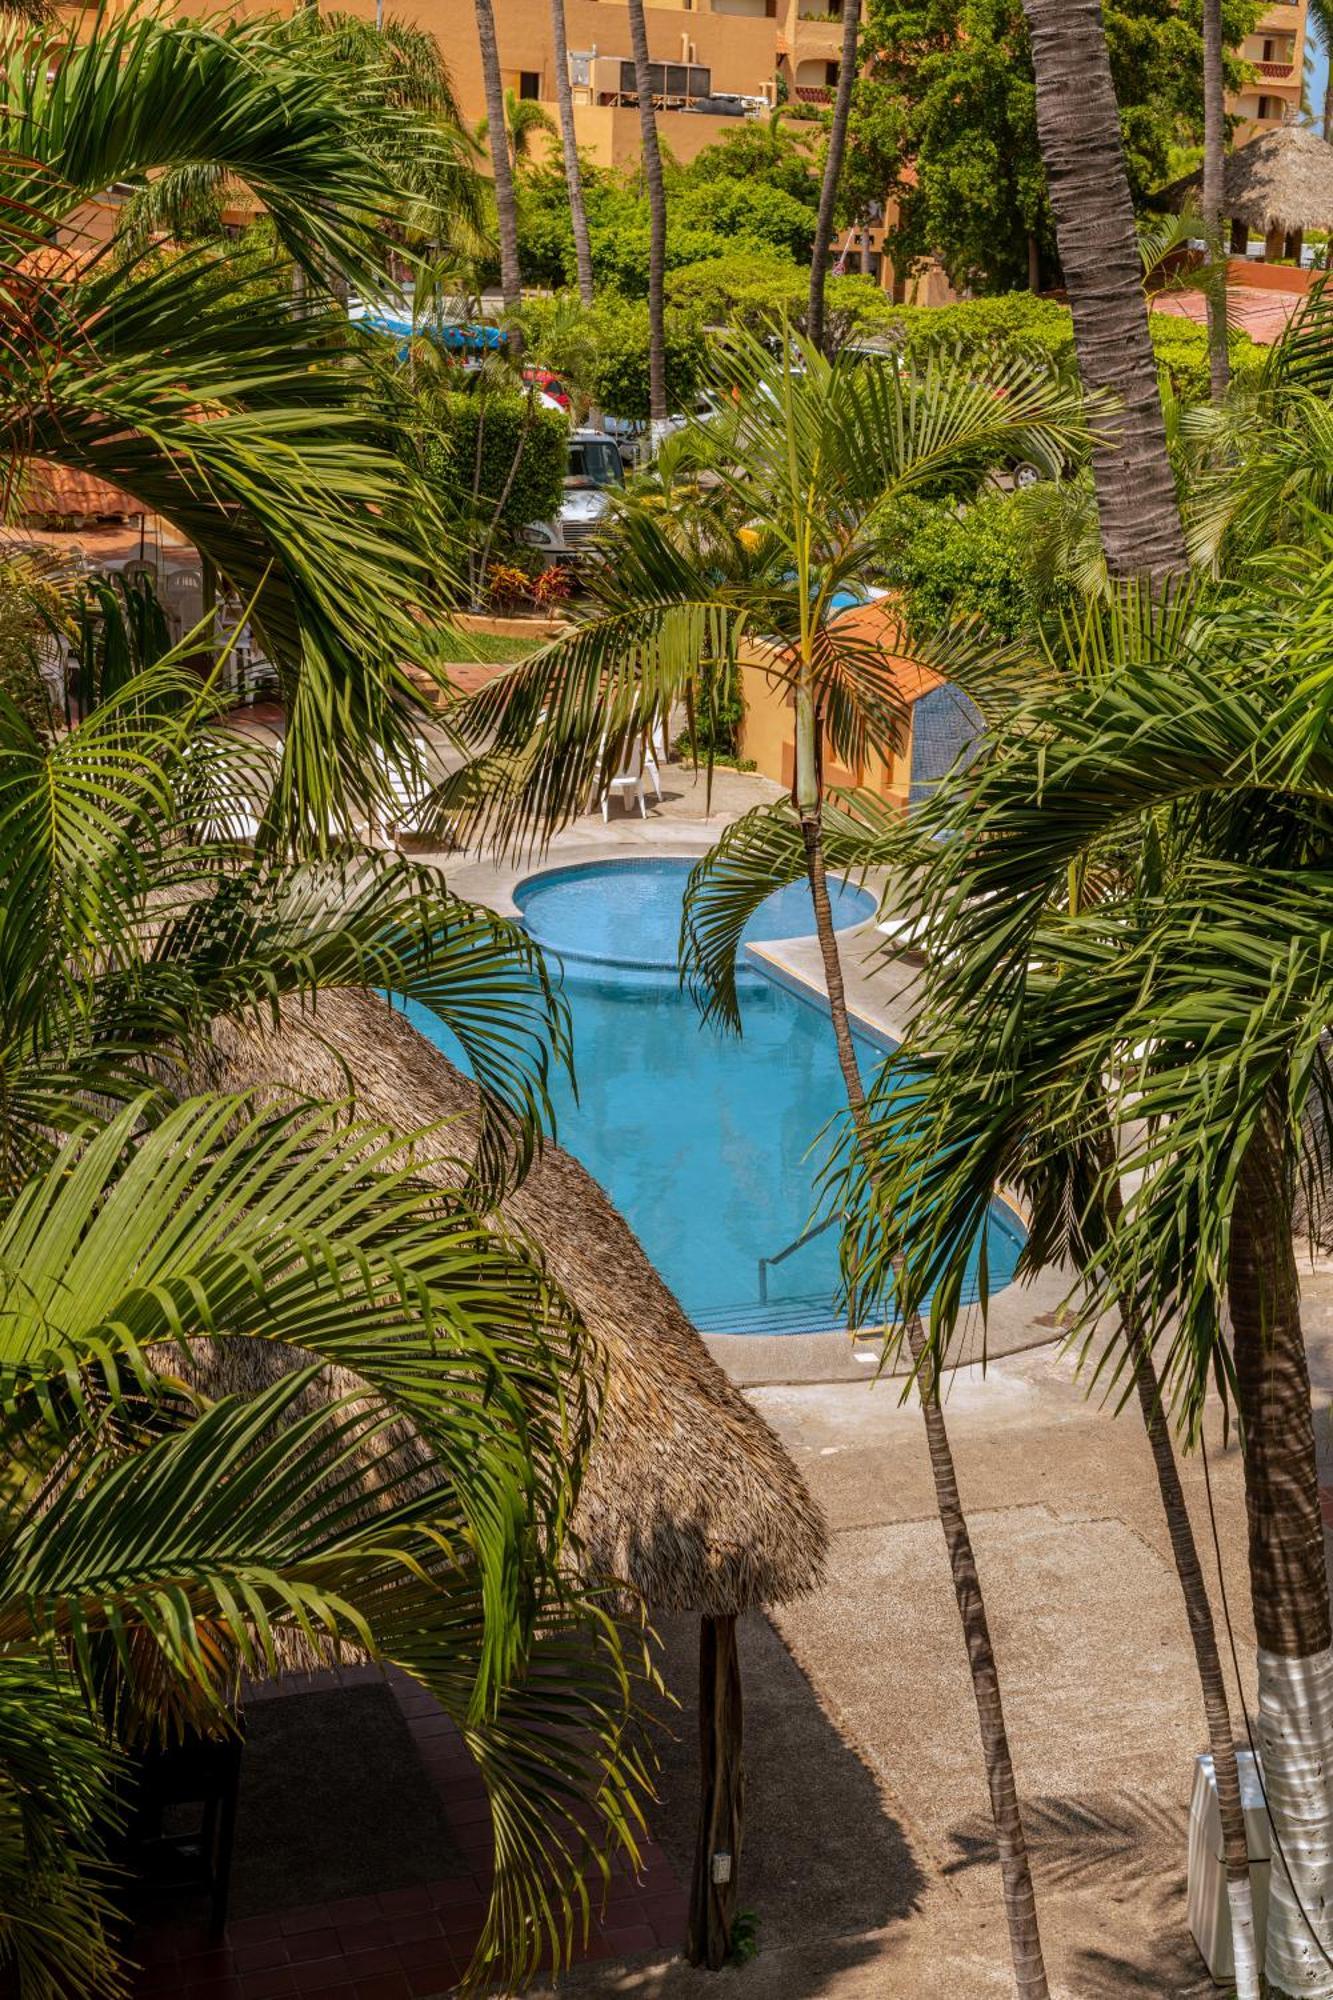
(529, 83)
(1272, 107)
(831, 75)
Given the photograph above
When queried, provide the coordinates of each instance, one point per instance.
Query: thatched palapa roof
(1281, 180)
(688, 1494)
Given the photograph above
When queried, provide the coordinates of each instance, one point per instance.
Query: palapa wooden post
(722, 1801)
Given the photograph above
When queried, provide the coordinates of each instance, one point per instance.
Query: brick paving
(404, 1942)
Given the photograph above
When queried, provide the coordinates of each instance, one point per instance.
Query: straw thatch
(688, 1494)
(1281, 180)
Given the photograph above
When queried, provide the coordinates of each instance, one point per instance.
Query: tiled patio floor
(405, 1942)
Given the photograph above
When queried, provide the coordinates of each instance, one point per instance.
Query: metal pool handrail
(766, 1263)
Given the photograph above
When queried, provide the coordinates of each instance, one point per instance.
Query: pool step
(799, 1315)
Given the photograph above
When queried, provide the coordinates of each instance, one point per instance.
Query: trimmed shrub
(978, 563)
(505, 427)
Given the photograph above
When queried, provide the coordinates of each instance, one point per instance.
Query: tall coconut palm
(655, 186)
(502, 175)
(828, 191)
(815, 452)
(1079, 129)
(1214, 153)
(569, 148)
(1187, 1009)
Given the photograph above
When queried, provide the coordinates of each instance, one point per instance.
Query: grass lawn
(486, 647)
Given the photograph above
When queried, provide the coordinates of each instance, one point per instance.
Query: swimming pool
(709, 1145)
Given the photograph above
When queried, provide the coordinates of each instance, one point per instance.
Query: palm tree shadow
(1128, 1849)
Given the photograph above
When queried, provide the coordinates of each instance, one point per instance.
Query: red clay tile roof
(879, 621)
(57, 489)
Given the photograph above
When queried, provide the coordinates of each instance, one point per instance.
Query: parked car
(550, 385)
(594, 468)
(630, 433)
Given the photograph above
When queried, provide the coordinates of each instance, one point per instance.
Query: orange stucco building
(940, 723)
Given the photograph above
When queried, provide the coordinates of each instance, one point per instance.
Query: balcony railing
(813, 93)
(1276, 72)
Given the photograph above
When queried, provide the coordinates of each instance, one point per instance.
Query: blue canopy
(453, 334)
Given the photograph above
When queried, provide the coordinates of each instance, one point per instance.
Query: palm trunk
(506, 213)
(1079, 129)
(1203, 1631)
(1327, 126)
(656, 187)
(828, 193)
(1015, 1872)
(1214, 142)
(1288, 1581)
(1208, 1660)
(578, 214)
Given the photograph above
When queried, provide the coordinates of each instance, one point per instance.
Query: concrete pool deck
(881, 992)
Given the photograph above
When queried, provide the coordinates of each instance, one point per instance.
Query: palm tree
(262, 438)
(502, 178)
(657, 219)
(154, 1543)
(1319, 14)
(164, 1540)
(814, 454)
(569, 146)
(1214, 150)
(400, 111)
(1079, 129)
(828, 192)
(1184, 1011)
(524, 119)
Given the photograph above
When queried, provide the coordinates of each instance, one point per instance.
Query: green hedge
(604, 351)
(978, 562)
(504, 419)
(1019, 323)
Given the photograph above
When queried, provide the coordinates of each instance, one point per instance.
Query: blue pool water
(709, 1145)
(627, 913)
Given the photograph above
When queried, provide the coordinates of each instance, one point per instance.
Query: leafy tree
(976, 562)
(950, 86)
(766, 154)
(620, 253)
(747, 212)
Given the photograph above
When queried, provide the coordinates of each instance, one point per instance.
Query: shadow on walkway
(823, 1857)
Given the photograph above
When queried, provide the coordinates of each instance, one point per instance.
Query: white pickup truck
(594, 468)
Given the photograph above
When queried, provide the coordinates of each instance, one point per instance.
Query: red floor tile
(405, 1943)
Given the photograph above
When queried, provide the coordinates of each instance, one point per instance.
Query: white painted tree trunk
(1244, 1946)
(1295, 1744)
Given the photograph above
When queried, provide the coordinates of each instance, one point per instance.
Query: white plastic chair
(408, 788)
(627, 784)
